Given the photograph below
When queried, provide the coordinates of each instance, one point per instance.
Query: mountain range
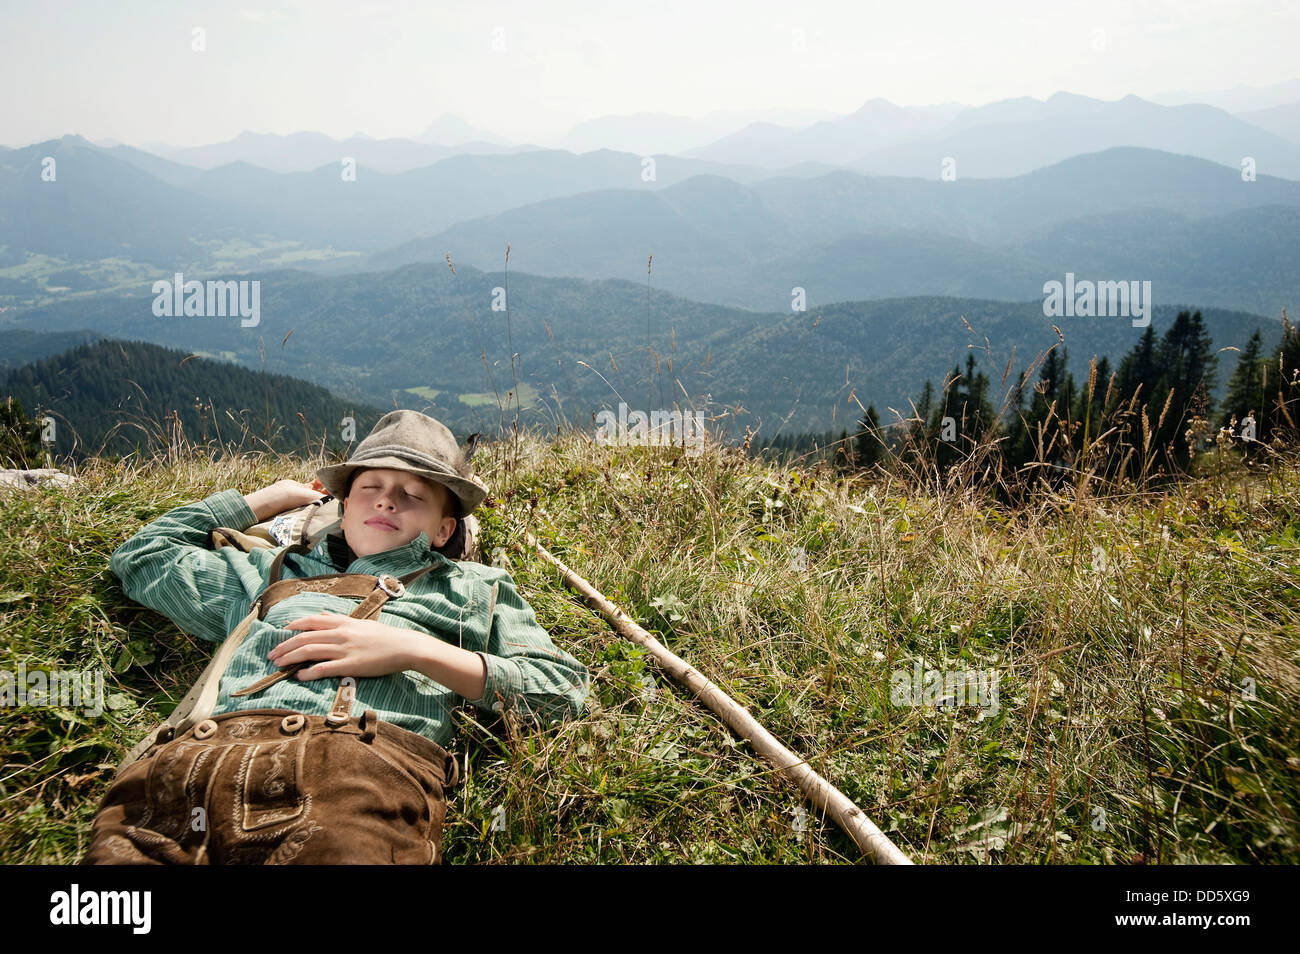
(781, 273)
(869, 138)
(725, 234)
(843, 236)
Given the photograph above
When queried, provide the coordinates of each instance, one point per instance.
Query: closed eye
(407, 492)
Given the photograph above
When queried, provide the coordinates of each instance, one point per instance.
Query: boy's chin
(368, 540)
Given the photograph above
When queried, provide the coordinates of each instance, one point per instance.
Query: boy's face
(409, 503)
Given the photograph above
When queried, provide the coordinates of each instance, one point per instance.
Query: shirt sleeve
(526, 672)
(169, 565)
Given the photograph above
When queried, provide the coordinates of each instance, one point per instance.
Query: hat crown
(411, 441)
(426, 441)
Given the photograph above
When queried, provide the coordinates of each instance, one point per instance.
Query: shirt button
(496, 706)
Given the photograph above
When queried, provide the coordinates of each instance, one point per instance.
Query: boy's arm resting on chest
(169, 567)
(526, 672)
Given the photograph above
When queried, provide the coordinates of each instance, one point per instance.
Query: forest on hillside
(116, 398)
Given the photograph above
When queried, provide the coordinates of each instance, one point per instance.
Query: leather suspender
(197, 704)
(375, 591)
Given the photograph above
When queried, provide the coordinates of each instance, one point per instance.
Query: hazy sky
(529, 71)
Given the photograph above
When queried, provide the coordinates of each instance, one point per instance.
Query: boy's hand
(347, 646)
(281, 496)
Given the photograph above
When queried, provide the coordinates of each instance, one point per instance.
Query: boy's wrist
(264, 503)
(257, 504)
(461, 671)
(281, 496)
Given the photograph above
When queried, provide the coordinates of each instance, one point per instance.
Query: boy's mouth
(383, 523)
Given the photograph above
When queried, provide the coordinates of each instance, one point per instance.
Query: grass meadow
(1143, 643)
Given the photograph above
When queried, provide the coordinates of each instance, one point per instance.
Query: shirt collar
(336, 549)
(417, 552)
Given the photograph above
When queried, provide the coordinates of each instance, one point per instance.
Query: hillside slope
(108, 397)
(423, 337)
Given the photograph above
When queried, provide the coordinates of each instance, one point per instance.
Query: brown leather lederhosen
(373, 794)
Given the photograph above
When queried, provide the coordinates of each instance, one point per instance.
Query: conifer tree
(869, 443)
(20, 445)
(1246, 386)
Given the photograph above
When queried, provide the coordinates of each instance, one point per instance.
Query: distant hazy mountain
(449, 130)
(307, 151)
(96, 206)
(718, 232)
(1018, 136)
(1281, 121)
(319, 207)
(172, 173)
(651, 134)
(891, 263)
(1248, 259)
(1009, 137)
(840, 140)
(107, 203)
(1017, 110)
(707, 222)
(844, 236)
(1238, 99)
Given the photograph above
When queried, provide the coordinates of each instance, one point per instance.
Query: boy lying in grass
(326, 743)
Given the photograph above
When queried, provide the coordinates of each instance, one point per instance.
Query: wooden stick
(870, 839)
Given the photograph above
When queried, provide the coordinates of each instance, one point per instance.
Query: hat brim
(470, 492)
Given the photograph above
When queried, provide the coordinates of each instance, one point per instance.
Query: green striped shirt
(168, 566)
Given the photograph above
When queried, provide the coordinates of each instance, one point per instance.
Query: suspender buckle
(397, 588)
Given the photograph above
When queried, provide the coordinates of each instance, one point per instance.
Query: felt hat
(414, 442)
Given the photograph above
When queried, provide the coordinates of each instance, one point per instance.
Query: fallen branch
(873, 842)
